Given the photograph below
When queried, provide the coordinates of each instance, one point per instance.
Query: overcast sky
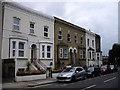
(99, 17)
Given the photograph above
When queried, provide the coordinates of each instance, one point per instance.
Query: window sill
(46, 37)
(16, 31)
(32, 34)
(46, 59)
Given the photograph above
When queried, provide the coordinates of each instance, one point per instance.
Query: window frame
(60, 35)
(17, 49)
(68, 38)
(46, 32)
(60, 53)
(32, 28)
(66, 53)
(16, 24)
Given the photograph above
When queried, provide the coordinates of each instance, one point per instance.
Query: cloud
(100, 17)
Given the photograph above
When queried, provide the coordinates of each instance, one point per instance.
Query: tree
(114, 54)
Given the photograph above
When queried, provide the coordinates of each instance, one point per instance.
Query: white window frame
(48, 52)
(66, 53)
(15, 24)
(88, 42)
(60, 35)
(45, 51)
(81, 54)
(93, 45)
(32, 29)
(14, 49)
(17, 48)
(22, 50)
(47, 32)
(60, 52)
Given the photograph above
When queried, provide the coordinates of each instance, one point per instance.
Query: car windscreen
(90, 69)
(104, 67)
(69, 70)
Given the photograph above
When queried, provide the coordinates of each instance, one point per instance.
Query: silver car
(72, 74)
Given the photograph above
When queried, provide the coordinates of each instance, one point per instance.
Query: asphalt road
(111, 80)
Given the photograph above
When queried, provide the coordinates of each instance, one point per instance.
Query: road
(111, 80)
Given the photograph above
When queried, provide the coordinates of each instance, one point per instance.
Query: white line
(110, 79)
(89, 87)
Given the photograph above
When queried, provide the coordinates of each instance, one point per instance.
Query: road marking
(89, 87)
(39, 86)
(64, 84)
(110, 79)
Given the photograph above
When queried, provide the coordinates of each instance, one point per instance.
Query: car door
(79, 73)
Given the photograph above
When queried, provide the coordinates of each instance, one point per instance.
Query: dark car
(113, 68)
(105, 69)
(72, 74)
(93, 71)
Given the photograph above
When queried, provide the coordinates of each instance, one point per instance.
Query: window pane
(48, 48)
(14, 43)
(13, 53)
(16, 21)
(43, 48)
(43, 55)
(31, 25)
(21, 53)
(21, 45)
(59, 37)
(31, 31)
(15, 27)
(48, 55)
(46, 34)
(45, 29)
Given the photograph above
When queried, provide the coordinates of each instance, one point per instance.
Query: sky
(99, 16)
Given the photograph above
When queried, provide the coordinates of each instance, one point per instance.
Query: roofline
(27, 9)
(68, 23)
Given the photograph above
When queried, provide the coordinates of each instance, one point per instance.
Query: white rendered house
(27, 36)
(90, 49)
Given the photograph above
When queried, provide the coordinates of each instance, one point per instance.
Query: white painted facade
(90, 49)
(23, 44)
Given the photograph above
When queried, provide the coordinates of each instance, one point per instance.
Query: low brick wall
(33, 77)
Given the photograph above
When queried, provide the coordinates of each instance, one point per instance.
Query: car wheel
(85, 77)
(93, 75)
(73, 79)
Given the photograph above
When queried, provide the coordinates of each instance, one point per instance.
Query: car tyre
(73, 79)
(93, 75)
(85, 77)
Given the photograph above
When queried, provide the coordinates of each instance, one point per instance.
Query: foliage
(32, 72)
(28, 64)
(114, 54)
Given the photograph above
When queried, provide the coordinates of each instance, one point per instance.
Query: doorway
(33, 52)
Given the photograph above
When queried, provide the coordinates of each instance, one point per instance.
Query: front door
(33, 52)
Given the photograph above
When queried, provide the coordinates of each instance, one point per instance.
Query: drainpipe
(1, 34)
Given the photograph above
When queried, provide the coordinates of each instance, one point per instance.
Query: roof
(26, 9)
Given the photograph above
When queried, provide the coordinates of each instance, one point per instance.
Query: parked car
(93, 71)
(72, 74)
(113, 68)
(105, 69)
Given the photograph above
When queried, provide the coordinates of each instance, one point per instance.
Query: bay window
(17, 48)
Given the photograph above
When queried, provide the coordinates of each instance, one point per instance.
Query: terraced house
(27, 36)
(69, 44)
(45, 41)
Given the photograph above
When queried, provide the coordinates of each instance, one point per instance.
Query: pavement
(25, 84)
